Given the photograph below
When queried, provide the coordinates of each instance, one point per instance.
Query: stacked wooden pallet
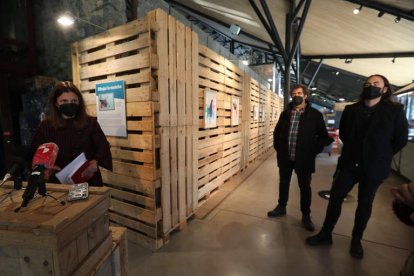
(254, 143)
(152, 179)
(170, 162)
(219, 147)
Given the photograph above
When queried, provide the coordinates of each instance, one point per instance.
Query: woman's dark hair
(387, 96)
(53, 114)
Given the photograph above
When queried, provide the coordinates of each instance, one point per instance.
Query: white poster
(110, 108)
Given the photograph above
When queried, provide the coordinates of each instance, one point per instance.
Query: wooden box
(47, 238)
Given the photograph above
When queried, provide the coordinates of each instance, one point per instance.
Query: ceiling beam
(385, 8)
(357, 56)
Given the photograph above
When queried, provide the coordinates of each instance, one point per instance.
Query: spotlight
(337, 73)
(380, 14)
(245, 62)
(313, 88)
(397, 19)
(66, 19)
(357, 10)
(341, 99)
(235, 29)
(269, 80)
(348, 60)
(393, 60)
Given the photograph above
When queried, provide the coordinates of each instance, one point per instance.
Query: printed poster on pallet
(255, 112)
(110, 108)
(210, 109)
(235, 110)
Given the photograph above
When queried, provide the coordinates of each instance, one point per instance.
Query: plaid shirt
(293, 131)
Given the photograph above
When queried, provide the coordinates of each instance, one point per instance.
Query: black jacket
(312, 137)
(386, 134)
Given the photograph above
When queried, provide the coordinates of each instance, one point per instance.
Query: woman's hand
(51, 171)
(91, 169)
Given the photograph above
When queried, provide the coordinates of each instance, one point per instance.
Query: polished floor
(237, 237)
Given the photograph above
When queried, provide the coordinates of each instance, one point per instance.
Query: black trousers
(304, 180)
(344, 181)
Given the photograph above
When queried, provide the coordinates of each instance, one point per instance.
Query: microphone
(44, 158)
(20, 159)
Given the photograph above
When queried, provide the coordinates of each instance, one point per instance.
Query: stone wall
(54, 42)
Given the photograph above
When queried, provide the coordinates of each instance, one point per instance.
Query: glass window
(407, 99)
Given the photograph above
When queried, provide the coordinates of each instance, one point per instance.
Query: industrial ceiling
(350, 47)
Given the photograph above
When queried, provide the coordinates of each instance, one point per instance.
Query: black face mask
(370, 92)
(69, 109)
(297, 100)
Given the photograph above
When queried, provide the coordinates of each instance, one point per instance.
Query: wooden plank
(131, 183)
(132, 197)
(145, 156)
(189, 122)
(141, 172)
(144, 125)
(136, 212)
(75, 64)
(127, 30)
(143, 41)
(143, 76)
(133, 224)
(140, 141)
(137, 61)
(139, 109)
(195, 107)
(181, 119)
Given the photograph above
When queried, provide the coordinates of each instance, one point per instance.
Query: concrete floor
(237, 238)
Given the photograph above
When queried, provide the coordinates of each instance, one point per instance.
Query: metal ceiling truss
(290, 51)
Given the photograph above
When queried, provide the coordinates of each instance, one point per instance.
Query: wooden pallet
(219, 148)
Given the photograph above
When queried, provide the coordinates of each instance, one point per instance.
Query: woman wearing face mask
(68, 125)
(372, 131)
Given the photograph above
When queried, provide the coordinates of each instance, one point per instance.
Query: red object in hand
(45, 155)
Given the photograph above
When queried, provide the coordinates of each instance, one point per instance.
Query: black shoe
(277, 212)
(307, 223)
(356, 250)
(321, 238)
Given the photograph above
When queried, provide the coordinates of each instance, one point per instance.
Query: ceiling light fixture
(381, 13)
(337, 73)
(357, 10)
(68, 18)
(348, 60)
(397, 19)
(245, 62)
(269, 80)
(341, 99)
(235, 29)
(313, 88)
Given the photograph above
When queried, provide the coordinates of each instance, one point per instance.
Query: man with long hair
(372, 130)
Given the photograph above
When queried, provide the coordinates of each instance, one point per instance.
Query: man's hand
(404, 193)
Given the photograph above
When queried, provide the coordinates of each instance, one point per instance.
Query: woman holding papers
(75, 132)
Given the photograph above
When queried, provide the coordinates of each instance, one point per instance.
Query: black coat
(386, 134)
(312, 137)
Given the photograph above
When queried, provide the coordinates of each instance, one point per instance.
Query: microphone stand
(17, 186)
(37, 183)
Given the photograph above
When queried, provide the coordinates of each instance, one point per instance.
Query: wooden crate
(49, 238)
(114, 261)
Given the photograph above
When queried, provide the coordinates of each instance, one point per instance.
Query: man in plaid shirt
(299, 136)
